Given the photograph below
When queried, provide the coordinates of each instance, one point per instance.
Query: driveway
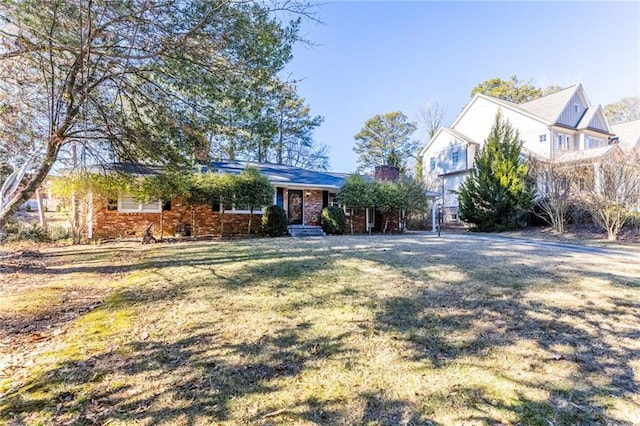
(567, 247)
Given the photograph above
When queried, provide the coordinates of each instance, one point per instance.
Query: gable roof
(452, 132)
(594, 119)
(551, 106)
(587, 154)
(587, 117)
(501, 103)
(628, 134)
(280, 174)
(461, 136)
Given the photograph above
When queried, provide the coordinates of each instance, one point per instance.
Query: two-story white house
(556, 127)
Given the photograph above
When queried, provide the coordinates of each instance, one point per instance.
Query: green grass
(341, 330)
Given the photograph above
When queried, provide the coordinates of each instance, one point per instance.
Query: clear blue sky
(375, 57)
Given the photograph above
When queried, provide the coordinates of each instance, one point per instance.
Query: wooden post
(43, 223)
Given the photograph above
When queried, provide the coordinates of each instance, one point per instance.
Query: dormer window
(455, 158)
(575, 107)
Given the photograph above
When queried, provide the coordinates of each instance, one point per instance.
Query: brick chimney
(386, 173)
(201, 154)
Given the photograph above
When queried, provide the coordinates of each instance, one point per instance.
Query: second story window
(543, 138)
(455, 157)
(432, 163)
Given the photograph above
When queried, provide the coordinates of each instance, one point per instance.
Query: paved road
(576, 248)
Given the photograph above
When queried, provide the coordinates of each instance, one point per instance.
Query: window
(126, 204)
(543, 138)
(333, 199)
(455, 157)
(568, 145)
(559, 141)
(432, 163)
(112, 204)
(594, 142)
(232, 208)
(575, 107)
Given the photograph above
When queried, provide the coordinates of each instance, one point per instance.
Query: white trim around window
(126, 204)
(232, 210)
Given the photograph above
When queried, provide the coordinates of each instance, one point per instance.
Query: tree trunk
(193, 221)
(43, 221)
(34, 183)
(250, 216)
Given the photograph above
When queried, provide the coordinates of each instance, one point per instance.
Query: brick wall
(386, 173)
(359, 220)
(394, 221)
(312, 205)
(201, 219)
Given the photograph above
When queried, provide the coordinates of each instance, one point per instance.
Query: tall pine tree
(498, 193)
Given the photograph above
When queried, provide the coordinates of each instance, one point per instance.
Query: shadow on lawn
(192, 382)
(602, 351)
(201, 383)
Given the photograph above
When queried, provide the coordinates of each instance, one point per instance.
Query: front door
(295, 207)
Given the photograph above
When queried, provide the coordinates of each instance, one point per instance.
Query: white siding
(443, 150)
(573, 111)
(477, 122)
(596, 123)
(453, 183)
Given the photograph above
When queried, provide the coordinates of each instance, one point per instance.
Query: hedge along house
(301, 193)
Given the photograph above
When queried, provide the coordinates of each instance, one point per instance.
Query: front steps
(305, 231)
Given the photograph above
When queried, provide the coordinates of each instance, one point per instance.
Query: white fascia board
(583, 95)
(431, 140)
(304, 186)
(502, 105)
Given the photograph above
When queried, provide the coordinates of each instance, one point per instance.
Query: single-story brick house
(300, 192)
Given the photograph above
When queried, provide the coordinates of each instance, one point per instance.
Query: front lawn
(379, 330)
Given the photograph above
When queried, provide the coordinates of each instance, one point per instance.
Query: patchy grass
(340, 330)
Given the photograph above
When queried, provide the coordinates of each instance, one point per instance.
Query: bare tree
(554, 182)
(615, 189)
(432, 116)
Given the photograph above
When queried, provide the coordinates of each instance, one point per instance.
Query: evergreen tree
(386, 140)
(357, 193)
(498, 193)
(253, 191)
(512, 90)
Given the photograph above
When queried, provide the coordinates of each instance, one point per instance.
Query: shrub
(60, 233)
(16, 231)
(274, 221)
(333, 220)
(633, 220)
(578, 215)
